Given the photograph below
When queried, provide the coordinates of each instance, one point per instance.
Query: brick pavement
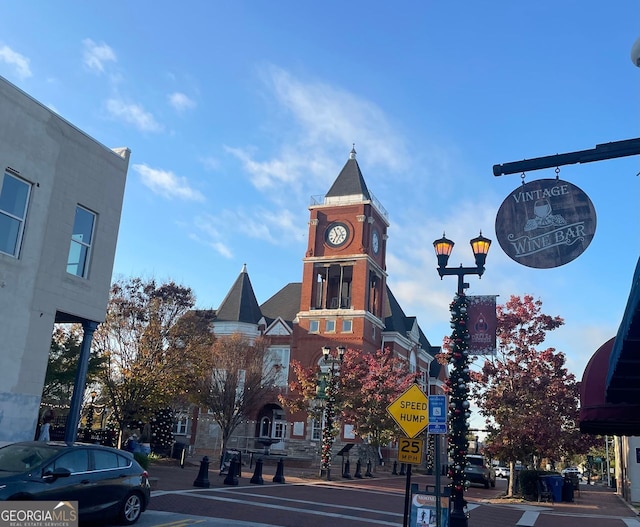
(593, 505)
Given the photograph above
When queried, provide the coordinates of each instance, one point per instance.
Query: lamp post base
(458, 518)
(325, 473)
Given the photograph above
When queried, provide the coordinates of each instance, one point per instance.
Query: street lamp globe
(480, 247)
(443, 247)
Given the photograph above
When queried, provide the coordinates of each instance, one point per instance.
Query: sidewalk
(591, 500)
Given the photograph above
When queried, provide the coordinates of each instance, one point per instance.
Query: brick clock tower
(344, 276)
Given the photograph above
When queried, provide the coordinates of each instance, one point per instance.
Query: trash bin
(567, 490)
(556, 484)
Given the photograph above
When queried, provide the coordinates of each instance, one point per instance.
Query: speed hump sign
(410, 450)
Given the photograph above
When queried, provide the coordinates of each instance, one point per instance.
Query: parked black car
(479, 470)
(106, 482)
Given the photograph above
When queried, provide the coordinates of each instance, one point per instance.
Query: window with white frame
(314, 326)
(81, 242)
(330, 326)
(280, 429)
(180, 424)
(316, 430)
(276, 366)
(347, 325)
(14, 198)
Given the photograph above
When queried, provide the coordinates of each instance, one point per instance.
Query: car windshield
(20, 458)
(475, 461)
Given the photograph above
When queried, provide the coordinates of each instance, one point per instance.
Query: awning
(623, 378)
(598, 416)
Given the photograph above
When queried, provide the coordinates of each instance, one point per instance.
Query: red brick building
(343, 300)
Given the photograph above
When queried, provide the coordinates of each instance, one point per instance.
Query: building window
(276, 367)
(180, 425)
(347, 325)
(316, 430)
(81, 241)
(330, 326)
(14, 198)
(314, 326)
(280, 429)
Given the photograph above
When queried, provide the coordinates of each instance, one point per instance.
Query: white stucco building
(61, 196)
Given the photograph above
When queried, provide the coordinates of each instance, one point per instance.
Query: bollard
(279, 477)
(347, 470)
(358, 473)
(403, 469)
(232, 475)
(257, 473)
(368, 473)
(203, 474)
(395, 468)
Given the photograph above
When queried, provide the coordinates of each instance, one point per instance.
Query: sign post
(411, 411)
(438, 425)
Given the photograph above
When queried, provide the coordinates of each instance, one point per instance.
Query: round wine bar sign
(545, 223)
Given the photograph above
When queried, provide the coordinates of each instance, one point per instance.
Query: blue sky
(238, 112)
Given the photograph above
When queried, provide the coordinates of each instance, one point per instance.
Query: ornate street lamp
(330, 393)
(459, 412)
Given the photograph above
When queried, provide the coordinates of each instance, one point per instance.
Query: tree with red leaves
(368, 383)
(528, 397)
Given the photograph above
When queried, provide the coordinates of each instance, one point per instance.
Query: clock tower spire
(344, 275)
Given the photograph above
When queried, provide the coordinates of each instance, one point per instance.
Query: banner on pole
(483, 324)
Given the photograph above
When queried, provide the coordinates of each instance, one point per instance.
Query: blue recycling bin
(555, 484)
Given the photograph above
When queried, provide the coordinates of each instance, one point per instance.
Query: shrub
(141, 458)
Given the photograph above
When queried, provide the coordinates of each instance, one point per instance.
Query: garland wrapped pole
(458, 382)
(331, 387)
(459, 412)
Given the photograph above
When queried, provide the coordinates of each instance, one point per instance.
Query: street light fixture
(330, 392)
(459, 377)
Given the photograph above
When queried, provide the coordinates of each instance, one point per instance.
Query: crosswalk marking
(528, 519)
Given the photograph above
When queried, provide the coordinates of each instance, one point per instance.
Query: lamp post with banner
(459, 378)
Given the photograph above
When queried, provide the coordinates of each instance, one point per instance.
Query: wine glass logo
(544, 216)
(542, 210)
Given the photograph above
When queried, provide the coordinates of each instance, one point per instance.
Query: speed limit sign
(410, 450)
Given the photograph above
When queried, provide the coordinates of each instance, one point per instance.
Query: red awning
(596, 415)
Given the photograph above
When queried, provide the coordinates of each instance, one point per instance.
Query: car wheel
(131, 509)
(486, 483)
(493, 482)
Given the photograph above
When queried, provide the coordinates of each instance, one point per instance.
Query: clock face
(375, 242)
(337, 234)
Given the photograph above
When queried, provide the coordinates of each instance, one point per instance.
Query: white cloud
(181, 102)
(133, 114)
(15, 59)
(323, 122)
(328, 114)
(96, 55)
(213, 236)
(167, 184)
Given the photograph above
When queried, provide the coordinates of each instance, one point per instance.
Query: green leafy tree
(63, 364)
(151, 343)
(528, 397)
